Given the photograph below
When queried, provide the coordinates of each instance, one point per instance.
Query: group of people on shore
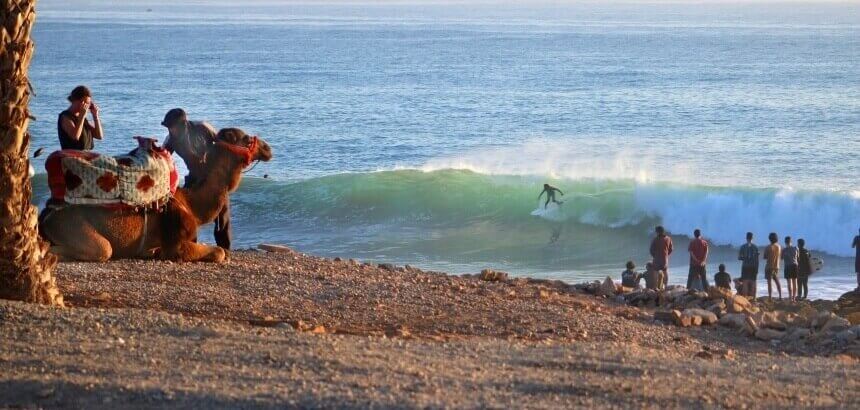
(188, 139)
(797, 263)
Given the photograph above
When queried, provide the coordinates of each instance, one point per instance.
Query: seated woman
(73, 128)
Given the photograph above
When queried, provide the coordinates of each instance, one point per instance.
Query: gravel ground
(145, 334)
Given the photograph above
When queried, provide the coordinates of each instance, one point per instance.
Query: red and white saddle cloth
(146, 177)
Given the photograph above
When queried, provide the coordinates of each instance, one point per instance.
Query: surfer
(550, 195)
(856, 246)
(804, 269)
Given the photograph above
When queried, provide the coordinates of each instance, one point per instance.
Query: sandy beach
(292, 330)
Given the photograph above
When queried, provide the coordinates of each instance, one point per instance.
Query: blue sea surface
(421, 133)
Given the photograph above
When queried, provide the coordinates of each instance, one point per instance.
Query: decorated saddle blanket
(145, 177)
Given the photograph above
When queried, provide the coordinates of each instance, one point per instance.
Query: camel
(94, 233)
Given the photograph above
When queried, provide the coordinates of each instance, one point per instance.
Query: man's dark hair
(631, 265)
(787, 239)
(659, 229)
(801, 243)
(722, 267)
(173, 116)
(749, 236)
(773, 237)
(697, 233)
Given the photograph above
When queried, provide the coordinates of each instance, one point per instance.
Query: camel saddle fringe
(144, 178)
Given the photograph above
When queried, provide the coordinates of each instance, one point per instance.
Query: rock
(275, 248)
(846, 336)
(836, 324)
(768, 320)
(387, 266)
(822, 318)
(733, 320)
(769, 334)
(607, 288)
(542, 294)
(854, 318)
(668, 316)
(683, 320)
(707, 317)
(717, 293)
(490, 275)
(797, 334)
(738, 304)
(694, 320)
(751, 326)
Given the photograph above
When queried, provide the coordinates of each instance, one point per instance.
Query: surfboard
(817, 263)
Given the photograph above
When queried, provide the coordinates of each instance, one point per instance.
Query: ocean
(421, 133)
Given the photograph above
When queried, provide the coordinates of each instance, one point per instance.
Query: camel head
(239, 150)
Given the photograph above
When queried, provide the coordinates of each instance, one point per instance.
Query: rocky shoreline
(819, 327)
(285, 329)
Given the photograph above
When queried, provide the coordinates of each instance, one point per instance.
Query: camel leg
(196, 252)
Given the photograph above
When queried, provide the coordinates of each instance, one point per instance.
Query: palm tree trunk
(25, 264)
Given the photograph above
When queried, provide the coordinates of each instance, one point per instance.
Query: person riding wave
(550, 194)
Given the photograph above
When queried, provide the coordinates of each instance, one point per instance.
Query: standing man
(856, 246)
(697, 277)
(190, 140)
(790, 256)
(772, 254)
(748, 256)
(661, 248)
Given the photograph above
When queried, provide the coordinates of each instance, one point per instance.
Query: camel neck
(211, 194)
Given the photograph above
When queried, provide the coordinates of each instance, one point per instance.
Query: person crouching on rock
(73, 128)
(630, 278)
(722, 279)
(189, 140)
(654, 277)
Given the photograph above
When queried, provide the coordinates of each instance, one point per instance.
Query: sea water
(422, 133)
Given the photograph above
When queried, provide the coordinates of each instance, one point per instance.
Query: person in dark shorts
(190, 140)
(804, 269)
(630, 278)
(789, 259)
(773, 256)
(654, 277)
(856, 246)
(749, 257)
(722, 279)
(73, 128)
(661, 248)
(697, 278)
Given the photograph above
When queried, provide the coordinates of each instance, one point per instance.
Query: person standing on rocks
(790, 259)
(697, 277)
(772, 254)
(654, 278)
(856, 246)
(804, 269)
(749, 257)
(661, 248)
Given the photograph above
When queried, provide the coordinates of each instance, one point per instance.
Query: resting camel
(94, 233)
